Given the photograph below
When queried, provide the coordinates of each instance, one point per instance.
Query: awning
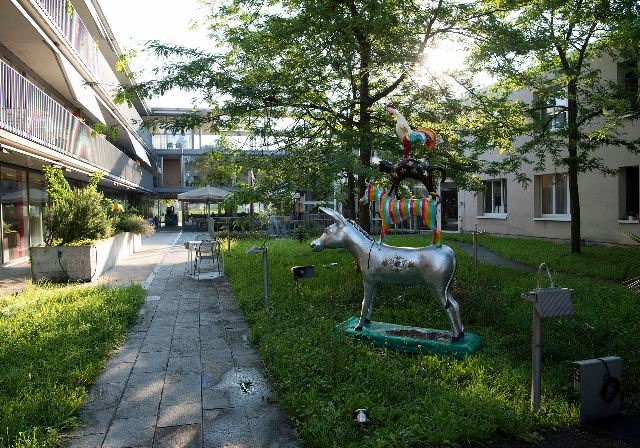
(139, 149)
(82, 92)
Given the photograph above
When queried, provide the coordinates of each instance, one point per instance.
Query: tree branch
(427, 35)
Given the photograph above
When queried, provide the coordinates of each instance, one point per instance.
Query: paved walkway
(487, 256)
(14, 278)
(187, 375)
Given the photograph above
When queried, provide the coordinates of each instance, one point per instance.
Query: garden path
(187, 375)
(486, 255)
(14, 278)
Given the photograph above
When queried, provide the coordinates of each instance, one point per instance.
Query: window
(553, 194)
(628, 81)
(629, 192)
(556, 114)
(494, 197)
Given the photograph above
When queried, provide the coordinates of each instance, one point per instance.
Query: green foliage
(301, 233)
(75, 214)
(7, 228)
(550, 49)
(57, 186)
(310, 80)
(53, 344)
(425, 400)
(110, 132)
(133, 224)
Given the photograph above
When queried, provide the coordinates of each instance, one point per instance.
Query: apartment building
(607, 203)
(181, 156)
(57, 79)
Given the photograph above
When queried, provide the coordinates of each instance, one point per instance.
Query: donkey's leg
(370, 289)
(451, 308)
(453, 312)
(372, 303)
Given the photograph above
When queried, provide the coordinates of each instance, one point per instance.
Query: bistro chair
(207, 250)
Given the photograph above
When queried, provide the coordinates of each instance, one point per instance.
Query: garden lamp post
(548, 302)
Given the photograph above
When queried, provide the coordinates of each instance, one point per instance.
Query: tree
(548, 47)
(311, 78)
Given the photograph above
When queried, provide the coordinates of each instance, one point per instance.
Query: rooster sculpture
(407, 135)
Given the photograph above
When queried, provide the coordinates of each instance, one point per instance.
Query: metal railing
(27, 111)
(71, 26)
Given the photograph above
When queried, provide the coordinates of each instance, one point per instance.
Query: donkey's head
(335, 235)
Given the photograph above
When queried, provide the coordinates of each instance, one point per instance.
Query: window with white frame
(556, 114)
(629, 193)
(494, 197)
(553, 194)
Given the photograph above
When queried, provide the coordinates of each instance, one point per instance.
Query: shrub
(310, 230)
(75, 214)
(301, 233)
(134, 224)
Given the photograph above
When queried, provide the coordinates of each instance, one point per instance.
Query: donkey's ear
(334, 214)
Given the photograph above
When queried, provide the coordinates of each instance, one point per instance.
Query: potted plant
(85, 234)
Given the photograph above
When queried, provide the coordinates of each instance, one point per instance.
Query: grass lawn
(53, 343)
(613, 263)
(425, 400)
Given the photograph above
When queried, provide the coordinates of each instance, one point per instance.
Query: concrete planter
(84, 263)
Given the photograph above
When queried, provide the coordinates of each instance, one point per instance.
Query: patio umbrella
(205, 194)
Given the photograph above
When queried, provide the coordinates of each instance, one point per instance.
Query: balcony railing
(71, 26)
(27, 111)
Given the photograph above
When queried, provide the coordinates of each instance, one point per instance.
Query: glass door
(15, 217)
(449, 209)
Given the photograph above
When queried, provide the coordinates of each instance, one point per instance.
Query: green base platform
(409, 339)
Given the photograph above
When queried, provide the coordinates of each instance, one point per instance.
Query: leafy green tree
(76, 215)
(549, 47)
(309, 78)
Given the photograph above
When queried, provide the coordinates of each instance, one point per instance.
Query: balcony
(71, 26)
(28, 112)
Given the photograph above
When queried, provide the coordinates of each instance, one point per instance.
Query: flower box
(82, 263)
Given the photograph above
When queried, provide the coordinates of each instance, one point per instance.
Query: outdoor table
(193, 245)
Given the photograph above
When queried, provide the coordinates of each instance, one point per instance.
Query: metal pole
(266, 278)
(536, 349)
(475, 246)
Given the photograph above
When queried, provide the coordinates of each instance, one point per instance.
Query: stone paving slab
(187, 375)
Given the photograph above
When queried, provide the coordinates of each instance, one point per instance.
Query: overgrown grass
(613, 263)
(424, 400)
(53, 343)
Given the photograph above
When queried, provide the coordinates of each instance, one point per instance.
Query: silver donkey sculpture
(390, 265)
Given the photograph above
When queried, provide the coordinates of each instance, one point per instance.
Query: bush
(301, 233)
(76, 214)
(134, 224)
(312, 230)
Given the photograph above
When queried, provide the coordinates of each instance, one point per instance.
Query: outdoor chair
(207, 250)
(211, 227)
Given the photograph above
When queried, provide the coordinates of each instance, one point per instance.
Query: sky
(135, 22)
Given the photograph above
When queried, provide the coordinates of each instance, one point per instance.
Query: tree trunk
(351, 196)
(364, 127)
(572, 164)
